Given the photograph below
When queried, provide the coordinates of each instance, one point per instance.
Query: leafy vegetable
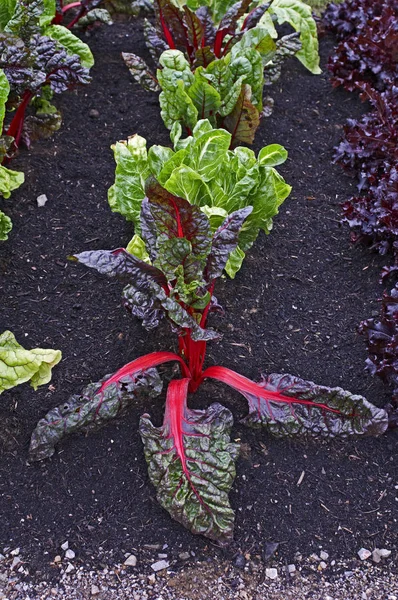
(38, 60)
(18, 365)
(9, 180)
(191, 460)
(218, 72)
(86, 12)
(202, 170)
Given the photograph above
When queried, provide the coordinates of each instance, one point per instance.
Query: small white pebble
(364, 553)
(65, 545)
(70, 554)
(324, 555)
(271, 573)
(130, 561)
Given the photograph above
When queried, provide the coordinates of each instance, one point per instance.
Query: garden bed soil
(294, 307)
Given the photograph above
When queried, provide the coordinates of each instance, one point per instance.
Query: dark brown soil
(294, 308)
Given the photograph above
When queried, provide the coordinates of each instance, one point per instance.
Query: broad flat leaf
(127, 193)
(299, 16)
(243, 121)
(5, 226)
(203, 57)
(257, 39)
(228, 23)
(272, 155)
(126, 267)
(9, 181)
(289, 406)
(72, 44)
(18, 365)
(141, 72)
(225, 241)
(235, 261)
(171, 19)
(191, 463)
(91, 410)
(205, 97)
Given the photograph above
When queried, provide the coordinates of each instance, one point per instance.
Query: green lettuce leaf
(5, 226)
(9, 181)
(18, 365)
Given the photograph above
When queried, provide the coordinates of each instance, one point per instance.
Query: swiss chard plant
(215, 62)
(203, 170)
(38, 59)
(18, 365)
(170, 275)
(9, 179)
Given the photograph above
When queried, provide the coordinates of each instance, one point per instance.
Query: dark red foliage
(368, 51)
(382, 341)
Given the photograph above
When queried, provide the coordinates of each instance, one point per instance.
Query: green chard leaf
(299, 16)
(244, 119)
(5, 226)
(191, 463)
(9, 181)
(72, 44)
(90, 411)
(127, 193)
(18, 365)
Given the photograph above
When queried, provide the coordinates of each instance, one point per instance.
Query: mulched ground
(293, 308)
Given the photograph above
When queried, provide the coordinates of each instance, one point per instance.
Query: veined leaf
(289, 406)
(141, 72)
(205, 98)
(191, 463)
(90, 411)
(7, 8)
(136, 246)
(71, 43)
(4, 91)
(243, 121)
(299, 16)
(18, 365)
(127, 193)
(235, 261)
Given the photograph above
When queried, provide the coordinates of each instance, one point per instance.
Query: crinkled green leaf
(191, 463)
(272, 155)
(5, 226)
(176, 105)
(9, 181)
(91, 410)
(4, 91)
(257, 39)
(18, 365)
(299, 16)
(71, 43)
(171, 254)
(136, 246)
(140, 71)
(97, 15)
(127, 193)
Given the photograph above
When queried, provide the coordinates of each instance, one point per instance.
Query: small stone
(348, 574)
(15, 563)
(95, 590)
(93, 113)
(384, 553)
(314, 557)
(65, 546)
(364, 553)
(70, 554)
(2, 557)
(162, 555)
(160, 565)
(184, 556)
(323, 555)
(152, 579)
(69, 568)
(14, 552)
(271, 573)
(291, 569)
(57, 559)
(240, 561)
(322, 566)
(131, 561)
(41, 200)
